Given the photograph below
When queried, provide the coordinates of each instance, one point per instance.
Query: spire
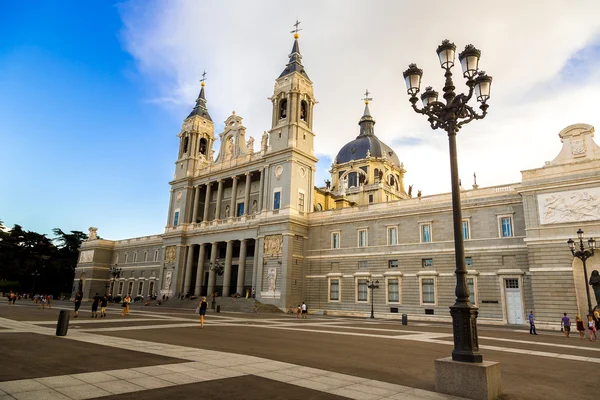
(295, 64)
(367, 123)
(200, 107)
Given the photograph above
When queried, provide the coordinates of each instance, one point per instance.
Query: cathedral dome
(366, 144)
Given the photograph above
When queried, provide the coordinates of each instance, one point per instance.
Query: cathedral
(247, 219)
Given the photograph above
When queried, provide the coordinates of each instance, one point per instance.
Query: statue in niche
(327, 184)
(264, 141)
(92, 233)
(410, 190)
(271, 279)
(595, 283)
(229, 148)
(227, 212)
(250, 144)
(254, 207)
(168, 278)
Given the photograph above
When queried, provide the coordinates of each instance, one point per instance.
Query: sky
(93, 94)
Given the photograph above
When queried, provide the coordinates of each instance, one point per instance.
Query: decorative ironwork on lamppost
(372, 285)
(452, 115)
(217, 267)
(583, 254)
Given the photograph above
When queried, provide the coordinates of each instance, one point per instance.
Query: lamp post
(34, 274)
(450, 115)
(218, 268)
(115, 272)
(583, 254)
(372, 285)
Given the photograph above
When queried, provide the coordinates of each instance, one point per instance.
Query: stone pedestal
(480, 381)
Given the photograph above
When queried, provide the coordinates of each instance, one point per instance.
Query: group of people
(102, 302)
(593, 325)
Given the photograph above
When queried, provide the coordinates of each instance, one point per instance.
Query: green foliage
(29, 258)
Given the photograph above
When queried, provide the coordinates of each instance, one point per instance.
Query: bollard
(63, 323)
(404, 319)
(218, 308)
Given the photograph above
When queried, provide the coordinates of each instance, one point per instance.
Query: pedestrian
(580, 327)
(14, 298)
(44, 301)
(96, 300)
(49, 299)
(304, 311)
(565, 325)
(103, 304)
(592, 328)
(10, 296)
(532, 324)
(202, 311)
(596, 315)
(78, 298)
(298, 311)
(125, 306)
(253, 293)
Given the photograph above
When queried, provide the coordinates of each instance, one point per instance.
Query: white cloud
(352, 45)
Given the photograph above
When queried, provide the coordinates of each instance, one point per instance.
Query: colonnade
(212, 268)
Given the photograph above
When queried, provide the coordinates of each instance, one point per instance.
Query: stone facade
(248, 218)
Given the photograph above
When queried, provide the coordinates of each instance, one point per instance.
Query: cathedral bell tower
(293, 102)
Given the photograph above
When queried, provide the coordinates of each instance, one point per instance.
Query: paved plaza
(163, 353)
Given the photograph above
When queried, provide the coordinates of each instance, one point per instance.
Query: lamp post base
(464, 326)
(481, 381)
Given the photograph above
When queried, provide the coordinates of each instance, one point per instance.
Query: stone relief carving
(92, 233)
(86, 256)
(571, 206)
(250, 144)
(168, 279)
(578, 147)
(278, 171)
(273, 245)
(272, 279)
(170, 254)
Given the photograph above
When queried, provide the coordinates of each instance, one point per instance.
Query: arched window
(186, 142)
(376, 174)
(303, 110)
(392, 180)
(283, 109)
(202, 147)
(352, 179)
(318, 207)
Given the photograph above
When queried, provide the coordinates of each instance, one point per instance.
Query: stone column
(261, 189)
(255, 264)
(212, 277)
(206, 203)
(232, 205)
(227, 272)
(242, 268)
(196, 202)
(247, 207)
(200, 270)
(219, 198)
(187, 284)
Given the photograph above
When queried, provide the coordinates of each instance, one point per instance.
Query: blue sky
(93, 94)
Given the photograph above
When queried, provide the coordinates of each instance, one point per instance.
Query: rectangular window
(176, 218)
(140, 288)
(471, 286)
(145, 256)
(276, 200)
(121, 284)
(363, 265)
(300, 201)
(155, 255)
(130, 288)
(371, 199)
(335, 240)
(362, 290)
(392, 235)
(126, 258)
(506, 224)
(135, 257)
(425, 233)
(468, 261)
(240, 210)
(393, 292)
(465, 230)
(334, 290)
(362, 238)
(393, 264)
(428, 290)
(511, 283)
(151, 288)
(116, 258)
(427, 262)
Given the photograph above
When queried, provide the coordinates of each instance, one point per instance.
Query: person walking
(298, 311)
(580, 327)
(565, 325)
(595, 313)
(532, 324)
(592, 328)
(78, 298)
(202, 311)
(304, 311)
(95, 302)
(103, 304)
(125, 306)
(49, 299)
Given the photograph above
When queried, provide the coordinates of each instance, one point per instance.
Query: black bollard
(404, 319)
(63, 323)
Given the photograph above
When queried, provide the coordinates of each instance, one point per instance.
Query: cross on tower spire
(203, 79)
(295, 31)
(367, 98)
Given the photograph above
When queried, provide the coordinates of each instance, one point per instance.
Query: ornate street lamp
(34, 274)
(583, 254)
(115, 273)
(451, 115)
(372, 285)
